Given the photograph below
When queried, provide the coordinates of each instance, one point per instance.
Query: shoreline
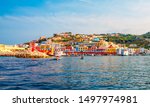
(32, 55)
(24, 54)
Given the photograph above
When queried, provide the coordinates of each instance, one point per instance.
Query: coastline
(36, 54)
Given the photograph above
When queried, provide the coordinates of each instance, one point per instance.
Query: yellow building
(83, 48)
(111, 50)
(79, 39)
(45, 47)
(102, 43)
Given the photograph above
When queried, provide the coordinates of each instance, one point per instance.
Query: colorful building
(83, 48)
(111, 50)
(69, 49)
(45, 48)
(102, 43)
(92, 48)
(96, 39)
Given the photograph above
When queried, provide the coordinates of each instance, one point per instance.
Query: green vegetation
(128, 39)
(146, 35)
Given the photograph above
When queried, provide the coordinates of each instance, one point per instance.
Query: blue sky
(24, 20)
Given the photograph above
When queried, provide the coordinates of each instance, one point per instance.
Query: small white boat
(58, 54)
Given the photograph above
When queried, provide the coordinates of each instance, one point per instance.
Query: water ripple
(71, 73)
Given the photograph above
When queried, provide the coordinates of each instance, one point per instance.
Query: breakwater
(24, 54)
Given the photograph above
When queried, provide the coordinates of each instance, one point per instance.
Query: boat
(82, 57)
(58, 54)
(56, 58)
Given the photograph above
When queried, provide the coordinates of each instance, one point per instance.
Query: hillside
(146, 35)
(138, 41)
(129, 39)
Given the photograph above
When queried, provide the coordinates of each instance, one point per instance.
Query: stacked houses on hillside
(77, 44)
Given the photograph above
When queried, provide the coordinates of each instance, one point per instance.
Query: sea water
(72, 73)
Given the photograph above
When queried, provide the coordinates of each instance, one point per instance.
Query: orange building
(111, 50)
(83, 48)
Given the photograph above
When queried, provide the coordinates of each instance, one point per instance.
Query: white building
(122, 51)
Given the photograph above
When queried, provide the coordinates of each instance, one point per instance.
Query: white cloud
(77, 24)
(131, 19)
